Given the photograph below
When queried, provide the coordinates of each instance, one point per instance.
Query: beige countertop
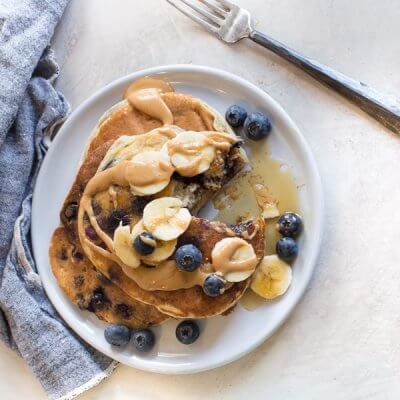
(342, 341)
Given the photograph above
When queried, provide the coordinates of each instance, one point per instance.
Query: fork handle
(383, 108)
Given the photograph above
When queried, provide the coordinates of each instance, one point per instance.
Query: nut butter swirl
(146, 95)
(233, 254)
(166, 276)
(193, 152)
(147, 169)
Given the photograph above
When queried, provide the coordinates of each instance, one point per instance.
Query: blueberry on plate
(214, 285)
(143, 340)
(187, 332)
(235, 116)
(287, 248)
(117, 335)
(188, 257)
(257, 126)
(145, 243)
(289, 224)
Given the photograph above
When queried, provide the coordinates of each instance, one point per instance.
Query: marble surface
(342, 341)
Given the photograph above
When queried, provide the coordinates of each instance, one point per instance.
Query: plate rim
(315, 189)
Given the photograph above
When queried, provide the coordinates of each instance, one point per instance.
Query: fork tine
(227, 4)
(194, 17)
(202, 11)
(214, 7)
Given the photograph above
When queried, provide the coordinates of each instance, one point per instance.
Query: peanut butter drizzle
(223, 257)
(123, 174)
(165, 276)
(197, 152)
(185, 148)
(217, 140)
(104, 179)
(127, 147)
(220, 140)
(202, 151)
(100, 182)
(146, 95)
(142, 172)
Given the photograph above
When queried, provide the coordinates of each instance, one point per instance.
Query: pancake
(192, 302)
(124, 120)
(92, 291)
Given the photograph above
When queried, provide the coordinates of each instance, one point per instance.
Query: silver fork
(232, 23)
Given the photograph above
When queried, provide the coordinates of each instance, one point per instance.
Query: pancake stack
(87, 251)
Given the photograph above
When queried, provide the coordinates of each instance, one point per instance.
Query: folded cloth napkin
(30, 108)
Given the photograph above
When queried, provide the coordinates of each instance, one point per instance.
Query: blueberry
(289, 224)
(188, 257)
(97, 208)
(143, 340)
(117, 217)
(139, 203)
(287, 249)
(71, 211)
(117, 335)
(77, 255)
(123, 310)
(235, 115)
(145, 243)
(214, 285)
(257, 126)
(187, 332)
(98, 300)
(91, 233)
(63, 255)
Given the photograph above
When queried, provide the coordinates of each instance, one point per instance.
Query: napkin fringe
(89, 384)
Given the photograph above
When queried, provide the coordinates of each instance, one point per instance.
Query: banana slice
(161, 252)
(270, 210)
(234, 258)
(272, 278)
(266, 201)
(123, 246)
(243, 253)
(149, 173)
(191, 153)
(165, 218)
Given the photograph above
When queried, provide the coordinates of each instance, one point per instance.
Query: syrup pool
(238, 201)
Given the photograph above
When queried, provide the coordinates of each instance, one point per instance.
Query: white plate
(223, 339)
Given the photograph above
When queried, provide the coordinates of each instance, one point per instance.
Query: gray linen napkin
(30, 108)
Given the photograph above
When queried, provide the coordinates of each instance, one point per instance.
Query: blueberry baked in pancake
(130, 247)
(92, 291)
